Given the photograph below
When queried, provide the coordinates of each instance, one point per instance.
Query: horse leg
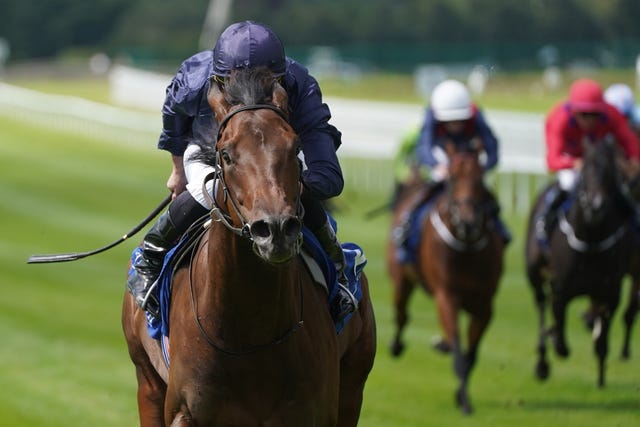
(357, 362)
(542, 366)
(151, 393)
(151, 387)
(351, 396)
(447, 313)
(402, 292)
(601, 342)
(537, 281)
(559, 308)
(630, 315)
(464, 363)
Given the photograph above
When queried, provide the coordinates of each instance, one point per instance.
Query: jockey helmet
(585, 96)
(248, 44)
(620, 96)
(451, 101)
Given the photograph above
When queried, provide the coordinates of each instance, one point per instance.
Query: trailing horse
(588, 253)
(458, 261)
(251, 339)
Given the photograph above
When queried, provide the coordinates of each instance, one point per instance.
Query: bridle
(453, 208)
(581, 195)
(217, 176)
(217, 214)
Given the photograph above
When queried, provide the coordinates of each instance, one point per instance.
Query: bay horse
(252, 341)
(459, 262)
(588, 254)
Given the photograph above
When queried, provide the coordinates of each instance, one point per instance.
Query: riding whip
(378, 211)
(41, 259)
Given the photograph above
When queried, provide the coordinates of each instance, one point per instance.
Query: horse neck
(254, 301)
(607, 224)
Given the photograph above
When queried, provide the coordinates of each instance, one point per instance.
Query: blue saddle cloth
(408, 251)
(354, 257)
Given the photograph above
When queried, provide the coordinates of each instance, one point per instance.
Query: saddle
(317, 262)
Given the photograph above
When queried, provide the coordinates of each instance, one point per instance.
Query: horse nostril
(265, 229)
(291, 226)
(260, 229)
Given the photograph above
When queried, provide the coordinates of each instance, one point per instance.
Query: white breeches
(196, 172)
(567, 179)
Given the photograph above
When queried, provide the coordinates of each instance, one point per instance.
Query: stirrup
(149, 302)
(344, 304)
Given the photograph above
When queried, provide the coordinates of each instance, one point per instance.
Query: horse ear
(218, 103)
(280, 98)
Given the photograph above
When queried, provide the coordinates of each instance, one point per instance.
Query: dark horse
(588, 254)
(459, 262)
(631, 175)
(252, 340)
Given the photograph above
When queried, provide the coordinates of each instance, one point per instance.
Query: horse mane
(244, 86)
(248, 86)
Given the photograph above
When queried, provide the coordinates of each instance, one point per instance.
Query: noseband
(217, 176)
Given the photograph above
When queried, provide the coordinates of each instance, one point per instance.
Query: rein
(218, 215)
(251, 350)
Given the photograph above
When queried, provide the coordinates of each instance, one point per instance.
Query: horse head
(257, 182)
(467, 195)
(599, 180)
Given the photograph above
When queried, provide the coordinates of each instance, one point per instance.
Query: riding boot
(548, 217)
(155, 245)
(400, 233)
(161, 238)
(344, 303)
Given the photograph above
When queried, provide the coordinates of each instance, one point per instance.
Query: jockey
(451, 117)
(187, 116)
(585, 114)
(621, 96)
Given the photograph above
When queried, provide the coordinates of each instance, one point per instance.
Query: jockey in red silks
(188, 119)
(584, 115)
(451, 117)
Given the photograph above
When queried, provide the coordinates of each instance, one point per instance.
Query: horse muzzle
(277, 239)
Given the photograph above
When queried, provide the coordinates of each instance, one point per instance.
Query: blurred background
(81, 87)
(377, 35)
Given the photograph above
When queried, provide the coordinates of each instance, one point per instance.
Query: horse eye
(225, 156)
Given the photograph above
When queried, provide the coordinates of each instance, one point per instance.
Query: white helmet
(620, 96)
(450, 101)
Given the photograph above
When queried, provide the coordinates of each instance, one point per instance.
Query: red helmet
(585, 96)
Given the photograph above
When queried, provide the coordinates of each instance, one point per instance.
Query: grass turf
(64, 357)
